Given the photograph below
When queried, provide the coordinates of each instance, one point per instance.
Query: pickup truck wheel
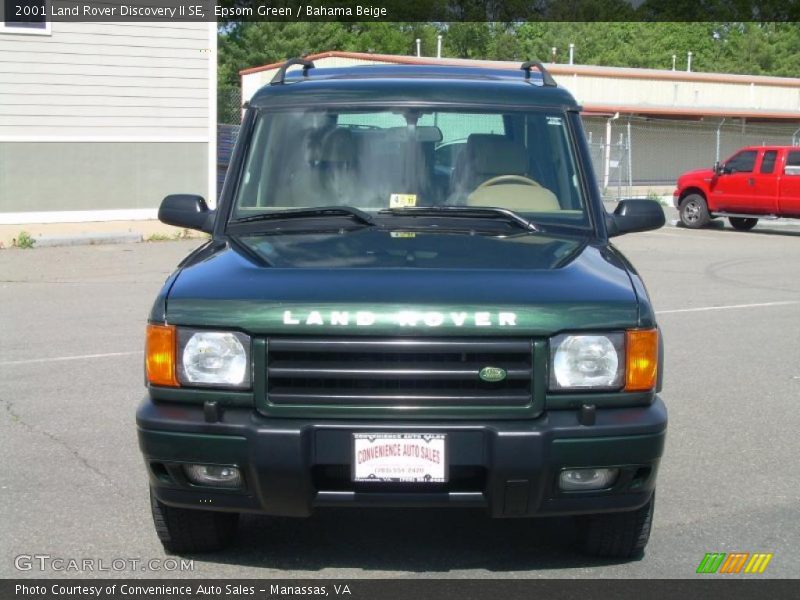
(617, 535)
(742, 223)
(187, 531)
(694, 211)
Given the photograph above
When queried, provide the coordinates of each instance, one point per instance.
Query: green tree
(249, 44)
(747, 47)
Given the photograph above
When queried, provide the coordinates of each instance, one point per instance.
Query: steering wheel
(500, 179)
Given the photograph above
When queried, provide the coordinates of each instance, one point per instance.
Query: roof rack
(547, 79)
(280, 76)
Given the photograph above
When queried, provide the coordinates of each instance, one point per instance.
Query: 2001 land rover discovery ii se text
(409, 299)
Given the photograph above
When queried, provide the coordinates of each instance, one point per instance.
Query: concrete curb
(87, 239)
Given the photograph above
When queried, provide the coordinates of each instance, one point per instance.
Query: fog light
(573, 480)
(214, 475)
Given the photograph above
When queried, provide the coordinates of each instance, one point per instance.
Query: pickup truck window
(768, 162)
(743, 162)
(793, 163)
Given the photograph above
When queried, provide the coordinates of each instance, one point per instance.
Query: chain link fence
(229, 118)
(629, 153)
(611, 162)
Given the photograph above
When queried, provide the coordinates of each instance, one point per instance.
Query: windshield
(376, 159)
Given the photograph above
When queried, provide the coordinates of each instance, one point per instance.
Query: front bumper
(511, 468)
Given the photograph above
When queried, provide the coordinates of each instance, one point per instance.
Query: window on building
(768, 162)
(743, 162)
(24, 15)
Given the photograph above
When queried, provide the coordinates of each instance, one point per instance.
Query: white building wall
(96, 87)
(638, 89)
(106, 79)
(109, 80)
(644, 93)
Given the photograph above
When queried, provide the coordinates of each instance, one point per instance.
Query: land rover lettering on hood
(408, 298)
(405, 318)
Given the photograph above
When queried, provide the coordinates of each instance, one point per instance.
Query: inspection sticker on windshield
(554, 121)
(399, 457)
(402, 200)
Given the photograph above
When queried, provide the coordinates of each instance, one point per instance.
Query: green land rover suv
(408, 299)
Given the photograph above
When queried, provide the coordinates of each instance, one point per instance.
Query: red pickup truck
(758, 182)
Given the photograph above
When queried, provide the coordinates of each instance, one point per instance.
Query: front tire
(694, 212)
(188, 531)
(742, 223)
(617, 535)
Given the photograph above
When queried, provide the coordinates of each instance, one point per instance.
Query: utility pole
(607, 157)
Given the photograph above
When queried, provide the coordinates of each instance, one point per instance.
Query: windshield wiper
(309, 213)
(475, 212)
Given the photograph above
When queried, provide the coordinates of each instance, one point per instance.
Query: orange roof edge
(604, 109)
(555, 69)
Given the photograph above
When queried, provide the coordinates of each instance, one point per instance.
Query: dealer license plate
(400, 457)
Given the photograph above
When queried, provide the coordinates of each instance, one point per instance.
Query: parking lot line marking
(63, 358)
(727, 307)
(675, 234)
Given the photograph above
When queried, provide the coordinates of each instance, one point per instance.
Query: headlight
(214, 358)
(214, 475)
(573, 480)
(587, 361)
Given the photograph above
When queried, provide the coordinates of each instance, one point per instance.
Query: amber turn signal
(641, 360)
(160, 355)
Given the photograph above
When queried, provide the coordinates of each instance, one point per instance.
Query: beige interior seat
(327, 175)
(336, 150)
(495, 157)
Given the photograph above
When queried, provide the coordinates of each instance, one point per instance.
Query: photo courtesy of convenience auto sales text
(408, 299)
(80, 590)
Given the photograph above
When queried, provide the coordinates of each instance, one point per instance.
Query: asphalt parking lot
(73, 485)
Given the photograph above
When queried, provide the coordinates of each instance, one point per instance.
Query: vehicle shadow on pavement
(784, 231)
(795, 233)
(431, 541)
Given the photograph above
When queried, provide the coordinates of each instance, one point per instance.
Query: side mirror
(722, 169)
(186, 210)
(635, 215)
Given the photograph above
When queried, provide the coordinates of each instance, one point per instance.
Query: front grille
(397, 372)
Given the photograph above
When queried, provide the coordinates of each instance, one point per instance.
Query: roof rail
(281, 74)
(547, 79)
